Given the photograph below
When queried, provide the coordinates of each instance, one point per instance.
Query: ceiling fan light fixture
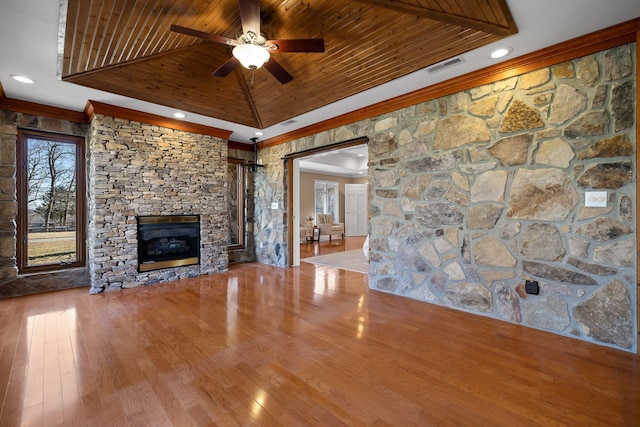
(251, 56)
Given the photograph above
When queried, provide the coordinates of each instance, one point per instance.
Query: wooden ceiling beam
(461, 21)
(246, 89)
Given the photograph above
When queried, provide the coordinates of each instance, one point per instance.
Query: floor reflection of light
(360, 330)
(258, 403)
(52, 381)
(232, 309)
(325, 283)
(362, 319)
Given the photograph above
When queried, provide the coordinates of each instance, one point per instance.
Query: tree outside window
(50, 201)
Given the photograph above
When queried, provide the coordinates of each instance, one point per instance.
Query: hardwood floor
(325, 247)
(306, 346)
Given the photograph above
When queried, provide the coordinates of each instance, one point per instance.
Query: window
(327, 198)
(235, 177)
(51, 201)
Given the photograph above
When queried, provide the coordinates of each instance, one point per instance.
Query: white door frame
(296, 213)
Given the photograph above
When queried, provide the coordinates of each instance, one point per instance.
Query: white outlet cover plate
(274, 205)
(595, 199)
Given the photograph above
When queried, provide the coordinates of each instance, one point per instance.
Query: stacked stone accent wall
(475, 193)
(141, 169)
(11, 283)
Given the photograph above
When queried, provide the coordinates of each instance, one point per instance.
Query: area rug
(349, 260)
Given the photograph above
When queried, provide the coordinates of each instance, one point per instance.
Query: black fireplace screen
(168, 241)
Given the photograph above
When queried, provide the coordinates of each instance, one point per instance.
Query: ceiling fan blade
(227, 67)
(250, 16)
(201, 34)
(278, 72)
(298, 45)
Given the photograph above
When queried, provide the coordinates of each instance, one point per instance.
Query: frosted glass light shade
(251, 56)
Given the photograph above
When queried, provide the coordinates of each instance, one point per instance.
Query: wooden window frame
(240, 188)
(23, 210)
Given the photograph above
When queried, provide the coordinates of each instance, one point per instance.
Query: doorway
(329, 162)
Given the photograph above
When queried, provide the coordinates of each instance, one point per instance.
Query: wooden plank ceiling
(126, 47)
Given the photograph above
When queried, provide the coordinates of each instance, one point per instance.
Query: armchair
(328, 227)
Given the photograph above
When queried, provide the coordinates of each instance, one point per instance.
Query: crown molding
(94, 107)
(36, 109)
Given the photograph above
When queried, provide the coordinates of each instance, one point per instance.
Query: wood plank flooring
(306, 346)
(325, 247)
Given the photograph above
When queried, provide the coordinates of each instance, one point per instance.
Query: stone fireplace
(138, 170)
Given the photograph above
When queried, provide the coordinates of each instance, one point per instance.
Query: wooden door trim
(288, 161)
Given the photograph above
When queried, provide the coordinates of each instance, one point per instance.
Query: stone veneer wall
(11, 283)
(476, 192)
(270, 228)
(141, 169)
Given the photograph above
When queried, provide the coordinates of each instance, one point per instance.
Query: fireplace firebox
(168, 241)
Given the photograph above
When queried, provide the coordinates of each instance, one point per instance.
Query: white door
(296, 213)
(355, 196)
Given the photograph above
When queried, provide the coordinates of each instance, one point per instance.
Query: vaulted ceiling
(127, 47)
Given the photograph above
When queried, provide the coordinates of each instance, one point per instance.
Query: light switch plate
(595, 199)
(274, 205)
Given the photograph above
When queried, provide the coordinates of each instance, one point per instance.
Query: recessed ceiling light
(499, 53)
(258, 133)
(22, 79)
(179, 115)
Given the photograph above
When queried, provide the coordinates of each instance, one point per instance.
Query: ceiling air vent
(445, 64)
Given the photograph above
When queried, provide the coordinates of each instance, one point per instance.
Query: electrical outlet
(274, 205)
(595, 199)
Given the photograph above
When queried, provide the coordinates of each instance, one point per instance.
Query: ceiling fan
(251, 49)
